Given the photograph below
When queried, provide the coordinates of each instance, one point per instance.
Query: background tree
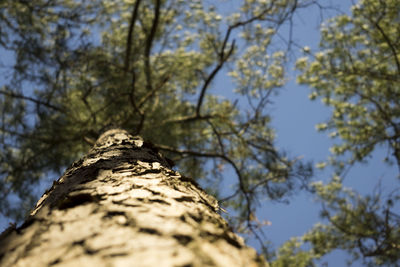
(357, 74)
(40, 36)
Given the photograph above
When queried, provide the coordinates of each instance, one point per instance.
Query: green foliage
(363, 225)
(291, 254)
(357, 73)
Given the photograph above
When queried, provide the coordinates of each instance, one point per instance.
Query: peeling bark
(122, 205)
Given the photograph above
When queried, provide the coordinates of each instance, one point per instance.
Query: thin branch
(88, 107)
(34, 100)
(242, 186)
(224, 57)
(146, 97)
(217, 134)
(191, 118)
(392, 48)
(134, 105)
(217, 68)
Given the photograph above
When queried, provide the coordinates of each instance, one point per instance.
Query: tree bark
(122, 205)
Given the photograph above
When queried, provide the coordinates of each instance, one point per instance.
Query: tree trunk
(122, 205)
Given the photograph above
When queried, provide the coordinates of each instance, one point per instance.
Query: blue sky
(294, 117)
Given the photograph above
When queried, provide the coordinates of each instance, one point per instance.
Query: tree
(121, 204)
(357, 74)
(156, 64)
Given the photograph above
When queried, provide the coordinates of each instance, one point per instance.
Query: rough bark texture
(122, 205)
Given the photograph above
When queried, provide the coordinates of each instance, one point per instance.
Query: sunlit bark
(122, 205)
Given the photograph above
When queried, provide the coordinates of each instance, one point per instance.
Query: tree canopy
(153, 67)
(357, 73)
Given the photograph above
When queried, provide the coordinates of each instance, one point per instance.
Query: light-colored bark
(122, 205)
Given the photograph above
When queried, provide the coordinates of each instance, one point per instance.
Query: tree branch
(149, 43)
(217, 68)
(132, 99)
(224, 57)
(130, 34)
(190, 118)
(392, 48)
(242, 186)
(34, 100)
